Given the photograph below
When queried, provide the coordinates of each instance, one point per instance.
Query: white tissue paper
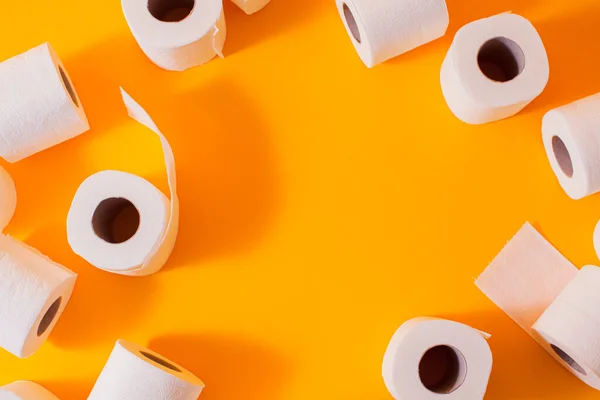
(8, 198)
(550, 299)
(136, 373)
(384, 29)
(34, 291)
(120, 222)
(427, 358)
(494, 68)
(571, 136)
(39, 107)
(177, 34)
(23, 390)
(251, 6)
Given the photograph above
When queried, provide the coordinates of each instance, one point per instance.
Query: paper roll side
(33, 294)
(572, 143)
(384, 29)
(135, 373)
(569, 329)
(193, 54)
(23, 390)
(39, 107)
(8, 198)
(177, 35)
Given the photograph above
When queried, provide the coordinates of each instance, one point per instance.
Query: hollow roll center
(501, 59)
(562, 155)
(170, 10)
(442, 369)
(49, 317)
(568, 359)
(68, 86)
(160, 361)
(115, 220)
(351, 21)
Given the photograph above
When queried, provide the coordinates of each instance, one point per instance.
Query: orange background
(323, 203)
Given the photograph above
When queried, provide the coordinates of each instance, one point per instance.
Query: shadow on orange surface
(225, 167)
(518, 360)
(68, 390)
(573, 65)
(104, 306)
(227, 175)
(98, 72)
(231, 368)
(245, 31)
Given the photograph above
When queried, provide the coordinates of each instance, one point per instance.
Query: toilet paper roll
(136, 373)
(34, 291)
(8, 198)
(120, 222)
(251, 6)
(571, 136)
(383, 29)
(177, 34)
(550, 299)
(494, 68)
(23, 390)
(39, 107)
(429, 357)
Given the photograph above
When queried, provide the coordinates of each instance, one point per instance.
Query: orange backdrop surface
(322, 203)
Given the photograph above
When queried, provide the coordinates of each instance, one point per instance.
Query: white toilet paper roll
(571, 136)
(8, 198)
(23, 390)
(428, 358)
(494, 68)
(39, 107)
(136, 373)
(549, 298)
(120, 222)
(383, 29)
(251, 6)
(34, 291)
(177, 34)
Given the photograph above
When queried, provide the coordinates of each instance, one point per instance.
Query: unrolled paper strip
(571, 138)
(428, 358)
(121, 223)
(34, 291)
(136, 373)
(8, 198)
(251, 6)
(23, 390)
(39, 107)
(550, 299)
(383, 29)
(494, 68)
(177, 34)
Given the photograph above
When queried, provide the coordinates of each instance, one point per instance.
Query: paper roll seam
(558, 305)
(177, 45)
(430, 357)
(494, 68)
(120, 222)
(39, 107)
(384, 29)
